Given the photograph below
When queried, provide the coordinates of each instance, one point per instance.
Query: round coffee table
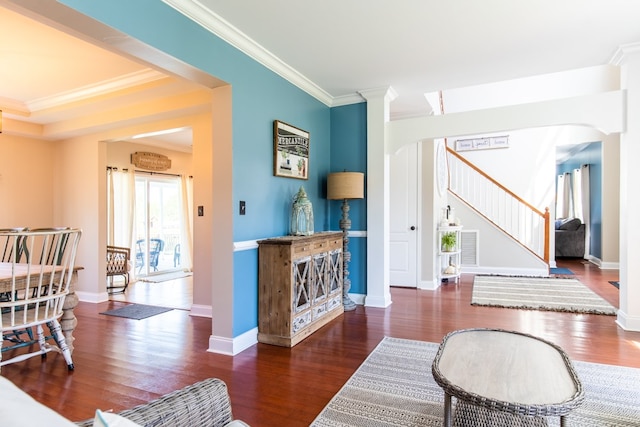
(506, 371)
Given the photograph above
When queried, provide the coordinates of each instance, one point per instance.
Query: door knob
(413, 227)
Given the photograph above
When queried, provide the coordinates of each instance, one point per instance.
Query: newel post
(546, 234)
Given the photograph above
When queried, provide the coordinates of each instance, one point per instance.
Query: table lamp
(344, 186)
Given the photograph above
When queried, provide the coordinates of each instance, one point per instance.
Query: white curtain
(573, 199)
(121, 208)
(586, 204)
(563, 197)
(121, 211)
(576, 194)
(186, 233)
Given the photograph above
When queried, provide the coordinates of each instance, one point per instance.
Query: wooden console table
(300, 286)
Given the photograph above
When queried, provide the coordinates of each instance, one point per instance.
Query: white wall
(119, 155)
(590, 98)
(583, 81)
(497, 253)
(527, 167)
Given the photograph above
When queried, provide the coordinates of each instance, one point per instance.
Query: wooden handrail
(496, 183)
(540, 252)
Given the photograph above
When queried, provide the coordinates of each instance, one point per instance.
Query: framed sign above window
(290, 151)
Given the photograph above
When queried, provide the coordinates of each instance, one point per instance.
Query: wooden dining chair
(35, 282)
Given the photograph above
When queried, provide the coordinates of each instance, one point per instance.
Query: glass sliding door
(158, 224)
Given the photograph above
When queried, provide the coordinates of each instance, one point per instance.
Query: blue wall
(259, 97)
(349, 152)
(592, 156)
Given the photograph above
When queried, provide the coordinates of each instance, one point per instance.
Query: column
(378, 294)
(629, 313)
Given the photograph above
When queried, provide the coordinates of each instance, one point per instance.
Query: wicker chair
(118, 265)
(203, 404)
(35, 282)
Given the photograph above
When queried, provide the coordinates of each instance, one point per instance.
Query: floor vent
(469, 246)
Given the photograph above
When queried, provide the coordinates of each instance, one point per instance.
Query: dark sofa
(570, 234)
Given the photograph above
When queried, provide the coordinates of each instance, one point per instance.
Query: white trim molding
(214, 23)
(628, 323)
(233, 346)
(507, 271)
(101, 88)
(92, 297)
(246, 245)
(199, 310)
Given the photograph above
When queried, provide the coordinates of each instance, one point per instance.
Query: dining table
(68, 321)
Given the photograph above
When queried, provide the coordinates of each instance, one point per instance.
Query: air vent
(469, 246)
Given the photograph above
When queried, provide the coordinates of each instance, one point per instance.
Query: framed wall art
(290, 151)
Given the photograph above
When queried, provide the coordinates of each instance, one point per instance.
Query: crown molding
(623, 51)
(354, 98)
(387, 92)
(96, 89)
(198, 13)
(12, 106)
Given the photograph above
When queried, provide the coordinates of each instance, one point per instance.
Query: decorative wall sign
(150, 161)
(290, 151)
(482, 143)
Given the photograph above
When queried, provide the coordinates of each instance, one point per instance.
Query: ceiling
(422, 46)
(335, 47)
(51, 80)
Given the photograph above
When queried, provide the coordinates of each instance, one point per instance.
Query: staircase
(505, 210)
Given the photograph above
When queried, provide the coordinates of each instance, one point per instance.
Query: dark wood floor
(121, 363)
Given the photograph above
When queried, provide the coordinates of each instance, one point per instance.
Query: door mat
(563, 271)
(136, 311)
(615, 283)
(538, 293)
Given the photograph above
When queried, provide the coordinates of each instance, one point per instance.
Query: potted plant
(448, 241)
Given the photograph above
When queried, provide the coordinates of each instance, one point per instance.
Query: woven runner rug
(538, 293)
(394, 387)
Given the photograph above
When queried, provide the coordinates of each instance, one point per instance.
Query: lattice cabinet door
(302, 270)
(335, 272)
(320, 282)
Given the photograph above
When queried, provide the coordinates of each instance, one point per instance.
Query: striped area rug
(538, 293)
(394, 387)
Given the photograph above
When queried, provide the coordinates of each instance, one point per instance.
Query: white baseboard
(92, 297)
(628, 323)
(380, 302)
(199, 310)
(428, 285)
(536, 272)
(603, 265)
(233, 346)
(357, 298)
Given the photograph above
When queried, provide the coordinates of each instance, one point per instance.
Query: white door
(403, 200)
